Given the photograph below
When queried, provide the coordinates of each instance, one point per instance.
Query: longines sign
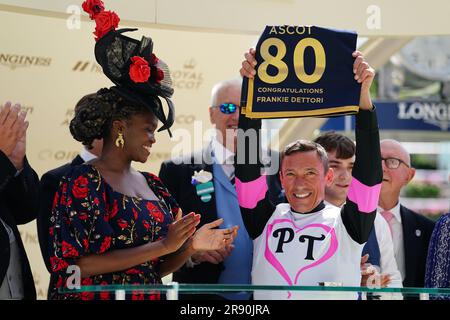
(86, 66)
(433, 113)
(412, 115)
(14, 61)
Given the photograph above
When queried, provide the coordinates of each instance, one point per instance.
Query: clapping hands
(13, 129)
(210, 238)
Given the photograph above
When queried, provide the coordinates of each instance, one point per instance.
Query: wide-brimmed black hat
(139, 76)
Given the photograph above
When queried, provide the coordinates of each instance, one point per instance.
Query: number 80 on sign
(298, 61)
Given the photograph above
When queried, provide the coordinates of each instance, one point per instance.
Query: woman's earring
(120, 143)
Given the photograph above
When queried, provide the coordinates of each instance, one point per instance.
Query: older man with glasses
(410, 231)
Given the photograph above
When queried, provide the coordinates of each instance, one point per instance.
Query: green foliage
(415, 190)
(422, 161)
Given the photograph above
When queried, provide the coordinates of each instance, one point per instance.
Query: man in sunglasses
(215, 198)
(411, 232)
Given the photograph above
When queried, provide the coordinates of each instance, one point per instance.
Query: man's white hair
(400, 147)
(220, 88)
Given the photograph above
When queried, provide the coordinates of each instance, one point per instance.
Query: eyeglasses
(393, 163)
(227, 108)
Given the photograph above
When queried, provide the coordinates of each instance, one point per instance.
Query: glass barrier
(173, 290)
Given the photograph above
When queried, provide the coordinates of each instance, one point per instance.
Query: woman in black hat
(116, 225)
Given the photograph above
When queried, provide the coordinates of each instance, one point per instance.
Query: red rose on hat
(93, 7)
(139, 69)
(153, 59)
(159, 75)
(105, 21)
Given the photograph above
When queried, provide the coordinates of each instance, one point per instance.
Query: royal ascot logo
(58, 155)
(190, 64)
(188, 77)
(87, 66)
(434, 113)
(14, 61)
(186, 119)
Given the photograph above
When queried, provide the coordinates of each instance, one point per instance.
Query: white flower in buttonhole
(203, 184)
(201, 176)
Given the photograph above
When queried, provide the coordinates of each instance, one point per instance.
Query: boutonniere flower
(203, 184)
(201, 176)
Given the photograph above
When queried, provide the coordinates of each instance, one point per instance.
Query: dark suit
(177, 179)
(19, 198)
(417, 231)
(49, 185)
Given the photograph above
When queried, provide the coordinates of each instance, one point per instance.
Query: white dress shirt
(224, 157)
(86, 155)
(397, 238)
(387, 256)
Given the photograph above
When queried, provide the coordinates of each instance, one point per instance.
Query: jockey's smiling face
(304, 177)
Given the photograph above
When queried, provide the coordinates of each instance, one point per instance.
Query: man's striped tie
(232, 179)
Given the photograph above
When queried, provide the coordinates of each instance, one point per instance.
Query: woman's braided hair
(95, 113)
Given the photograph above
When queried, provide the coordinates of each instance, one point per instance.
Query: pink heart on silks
(270, 257)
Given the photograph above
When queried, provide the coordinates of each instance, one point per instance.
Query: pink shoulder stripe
(250, 193)
(365, 197)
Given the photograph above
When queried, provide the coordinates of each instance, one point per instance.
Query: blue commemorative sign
(302, 71)
(405, 115)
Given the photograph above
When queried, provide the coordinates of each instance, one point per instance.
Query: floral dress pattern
(437, 273)
(89, 217)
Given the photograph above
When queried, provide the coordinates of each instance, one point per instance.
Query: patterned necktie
(230, 168)
(232, 179)
(388, 216)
